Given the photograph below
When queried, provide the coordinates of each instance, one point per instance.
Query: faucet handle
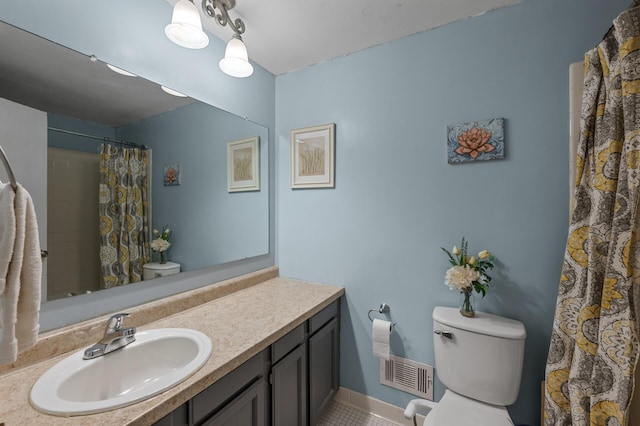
(115, 322)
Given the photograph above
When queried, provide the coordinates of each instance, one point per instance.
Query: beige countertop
(239, 324)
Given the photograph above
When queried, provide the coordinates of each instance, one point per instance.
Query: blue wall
(76, 142)
(397, 201)
(210, 225)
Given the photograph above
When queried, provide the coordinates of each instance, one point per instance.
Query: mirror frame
(64, 312)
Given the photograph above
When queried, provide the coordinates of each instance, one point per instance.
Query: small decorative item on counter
(161, 243)
(468, 273)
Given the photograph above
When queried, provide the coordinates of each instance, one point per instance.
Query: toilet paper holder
(383, 309)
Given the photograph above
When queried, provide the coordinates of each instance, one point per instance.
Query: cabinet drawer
(323, 317)
(212, 398)
(287, 343)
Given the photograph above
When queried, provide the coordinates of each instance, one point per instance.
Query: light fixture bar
(224, 6)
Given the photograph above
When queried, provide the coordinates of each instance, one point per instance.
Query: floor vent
(407, 375)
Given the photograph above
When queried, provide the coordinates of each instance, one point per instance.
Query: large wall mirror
(87, 105)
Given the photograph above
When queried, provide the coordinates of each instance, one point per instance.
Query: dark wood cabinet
(247, 409)
(289, 388)
(290, 383)
(324, 369)
(178, 417)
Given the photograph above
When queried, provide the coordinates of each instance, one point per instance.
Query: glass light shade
(236, 61)
(185, 28)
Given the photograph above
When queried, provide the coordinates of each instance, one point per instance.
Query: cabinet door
(289, 389)
(324, 369)
(178, 417)
(247, 409)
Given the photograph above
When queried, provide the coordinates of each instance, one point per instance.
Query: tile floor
(339, 414)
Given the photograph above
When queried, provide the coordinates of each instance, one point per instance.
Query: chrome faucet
(115, 337)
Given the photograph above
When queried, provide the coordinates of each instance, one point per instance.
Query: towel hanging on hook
(7, 166)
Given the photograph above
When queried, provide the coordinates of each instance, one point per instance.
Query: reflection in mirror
(88, 105)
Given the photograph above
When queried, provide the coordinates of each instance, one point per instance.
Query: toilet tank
(482, 358)
(156, 270)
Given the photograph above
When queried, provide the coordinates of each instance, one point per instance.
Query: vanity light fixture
(236, 60)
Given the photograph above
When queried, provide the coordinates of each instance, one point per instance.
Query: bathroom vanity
(275, 357)
(274, 386)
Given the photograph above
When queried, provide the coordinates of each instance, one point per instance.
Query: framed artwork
(475, 141)
(313, 157)
(171, 174)
(243, 160)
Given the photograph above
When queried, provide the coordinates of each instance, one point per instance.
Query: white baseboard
(375, 407)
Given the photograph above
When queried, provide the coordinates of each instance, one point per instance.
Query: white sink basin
(158, 360)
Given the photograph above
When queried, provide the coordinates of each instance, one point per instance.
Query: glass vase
(163, 257)
(467, 309)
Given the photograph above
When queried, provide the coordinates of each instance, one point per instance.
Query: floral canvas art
(171, 174)
(476, 140)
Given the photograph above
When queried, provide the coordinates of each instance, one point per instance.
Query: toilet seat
(458, 410)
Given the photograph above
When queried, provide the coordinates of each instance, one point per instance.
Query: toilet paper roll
(380, 333)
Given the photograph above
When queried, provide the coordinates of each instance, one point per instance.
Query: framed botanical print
(243, 161)
(313, 157)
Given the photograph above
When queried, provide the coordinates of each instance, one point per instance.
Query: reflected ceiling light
(120, 71)
(173, 92)
(185, 28)
(236, 60)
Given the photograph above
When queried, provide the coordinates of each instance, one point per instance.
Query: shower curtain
(124, 214)
(594, 343)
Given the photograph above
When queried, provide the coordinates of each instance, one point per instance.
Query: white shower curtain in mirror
(594, 343)
(124, 214)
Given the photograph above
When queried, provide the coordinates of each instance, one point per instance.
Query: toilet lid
(458, 410)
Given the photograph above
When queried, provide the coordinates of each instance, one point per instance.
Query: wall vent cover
(407, 375)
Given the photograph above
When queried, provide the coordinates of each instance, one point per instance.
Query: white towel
(20, 295)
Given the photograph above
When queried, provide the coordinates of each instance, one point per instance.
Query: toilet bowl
(458, 410)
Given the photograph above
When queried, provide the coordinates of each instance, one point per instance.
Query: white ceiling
(281, 35)
(286, 35)
(50, 77)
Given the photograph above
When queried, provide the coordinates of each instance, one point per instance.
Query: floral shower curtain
(124, 214)
(594, 345)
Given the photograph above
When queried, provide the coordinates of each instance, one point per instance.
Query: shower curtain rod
(105, 139)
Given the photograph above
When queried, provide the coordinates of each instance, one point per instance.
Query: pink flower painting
(171, 174)
(477, 140)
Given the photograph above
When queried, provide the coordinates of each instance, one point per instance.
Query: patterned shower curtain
(124, 214)
(594, 343)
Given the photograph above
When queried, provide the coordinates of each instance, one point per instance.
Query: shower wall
(73, 237)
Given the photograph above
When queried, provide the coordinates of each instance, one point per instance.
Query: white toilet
(479, 360)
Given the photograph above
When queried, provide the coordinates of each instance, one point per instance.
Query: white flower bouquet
(161, 243)
(468, 273)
